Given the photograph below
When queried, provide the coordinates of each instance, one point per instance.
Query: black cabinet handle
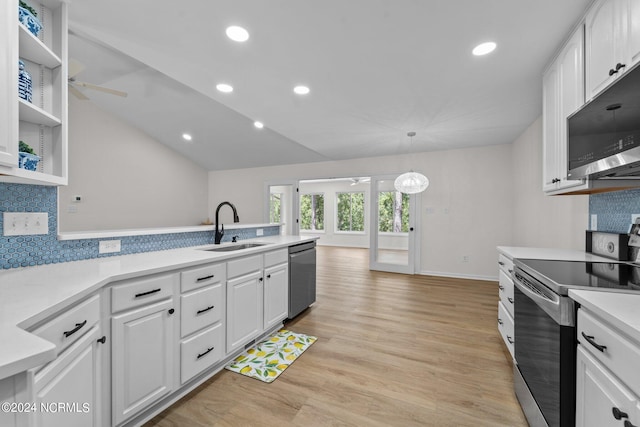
(618, 414)
(200, 279)
(619, 66)
(627, 423)
(590, 340)
(268, 276)
(205, 353)
(79, 326)
(501, 287)
(500, 322)
(509, 339)
(510, 300)
(102, 340)
(148, 293)
(510, 271)
(260, 279)
(171, 311)
(501, 263)
(205, 309)
(612, 72)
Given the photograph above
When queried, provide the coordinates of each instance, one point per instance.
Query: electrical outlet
(594, 223)
(634, 217)
(465, 258)
(109, 246)
(25, 223)
(259, 232)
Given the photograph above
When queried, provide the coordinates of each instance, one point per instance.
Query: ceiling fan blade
(102, 89)
(75, 68)
(75, 92)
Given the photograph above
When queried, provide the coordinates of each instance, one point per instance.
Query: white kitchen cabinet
(42, 123)
(563, 94)
(607, 379)
(506, 325)
(612, 30)
(142, 358)
(72, 379)
(244, 309)
(276, 295)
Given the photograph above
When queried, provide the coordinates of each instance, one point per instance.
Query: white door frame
(294, 212)
(414, 243)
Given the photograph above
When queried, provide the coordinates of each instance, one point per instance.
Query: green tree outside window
(393, 212)
(312, 212)
(350, 211)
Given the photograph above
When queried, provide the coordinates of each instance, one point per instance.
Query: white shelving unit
(42, 123)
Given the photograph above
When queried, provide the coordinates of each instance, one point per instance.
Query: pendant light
(411, 182)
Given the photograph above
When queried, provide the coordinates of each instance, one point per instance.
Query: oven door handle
(551, 307)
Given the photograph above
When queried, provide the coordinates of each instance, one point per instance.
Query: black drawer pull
(510, 300)
(501, 287)
(79, 326)
(102, 340)
(612, 72)
(511, 271)
(627, 423)
(619, 66)
(501, 263)
(500, 322)
(205, 353)
(200, 279)
(148, 293)
(618, 414)
(205, 309)
(509, 339)
(590, 340)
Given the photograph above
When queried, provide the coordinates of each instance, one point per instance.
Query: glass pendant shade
(411, 183)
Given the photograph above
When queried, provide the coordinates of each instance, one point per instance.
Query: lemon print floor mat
(269, 358)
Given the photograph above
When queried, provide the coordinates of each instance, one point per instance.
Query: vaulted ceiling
(376, 69)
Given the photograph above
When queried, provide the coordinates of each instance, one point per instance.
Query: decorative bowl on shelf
(28, 20)
(28, 161)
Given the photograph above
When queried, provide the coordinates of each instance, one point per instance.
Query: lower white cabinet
(71, 380)
(276, 295)
(506, 324)
(201, 351)
(142, 358)
(244, 309)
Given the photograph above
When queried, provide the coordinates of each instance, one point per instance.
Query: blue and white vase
(24, 82)
(28, 161)
(28, 20)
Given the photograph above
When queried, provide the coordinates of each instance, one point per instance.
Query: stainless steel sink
(234, 247)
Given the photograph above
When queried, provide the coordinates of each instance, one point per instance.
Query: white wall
(126, 178)
(466, 211)
(543, 221)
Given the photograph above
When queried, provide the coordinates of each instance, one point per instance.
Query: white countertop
(32, 294)
(621, 310)
(549, 253)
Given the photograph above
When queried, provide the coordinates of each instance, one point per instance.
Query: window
(312, 212)
(350, 211)
(393, 212)
(275, 208)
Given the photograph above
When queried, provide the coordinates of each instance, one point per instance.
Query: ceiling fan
(356, 181)
(76, 68)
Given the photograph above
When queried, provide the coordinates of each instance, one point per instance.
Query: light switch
(25, 223)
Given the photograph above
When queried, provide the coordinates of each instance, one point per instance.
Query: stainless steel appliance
(604, 135)
(302, 277)
(544, 372)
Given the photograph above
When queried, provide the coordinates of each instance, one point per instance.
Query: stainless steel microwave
(604, 135)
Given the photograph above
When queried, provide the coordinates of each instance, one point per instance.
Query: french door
(393, 227)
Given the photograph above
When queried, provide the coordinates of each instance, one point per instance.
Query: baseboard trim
(459, 275)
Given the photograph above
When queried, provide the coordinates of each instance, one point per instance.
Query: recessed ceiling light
(237, 34)
(223, 87)
(301, 90)
(258, 124)
(186, 137)
(484, 48)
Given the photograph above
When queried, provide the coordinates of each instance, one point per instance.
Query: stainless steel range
(544, 372)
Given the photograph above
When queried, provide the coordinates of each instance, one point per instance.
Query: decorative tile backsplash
(24, 251)
(614, 209)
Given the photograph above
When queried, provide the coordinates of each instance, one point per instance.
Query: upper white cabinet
(41, 123)
(612, 29)
(563, 94)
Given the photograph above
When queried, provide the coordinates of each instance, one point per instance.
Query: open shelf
(36, 115)
(34, 50)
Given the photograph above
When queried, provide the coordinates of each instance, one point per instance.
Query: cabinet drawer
(505, 289)
(506, 328)
(276, 257)
(202, 276)
(200, 308)
(620, 355)
(66, 328)
(142, 291)
(244, 266)
(505, 264)
(200, 352)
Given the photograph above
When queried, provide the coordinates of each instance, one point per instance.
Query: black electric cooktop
(561, 276)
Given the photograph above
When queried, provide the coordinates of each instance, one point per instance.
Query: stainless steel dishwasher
(302, 277)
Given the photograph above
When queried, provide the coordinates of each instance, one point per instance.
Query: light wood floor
(393, 350)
